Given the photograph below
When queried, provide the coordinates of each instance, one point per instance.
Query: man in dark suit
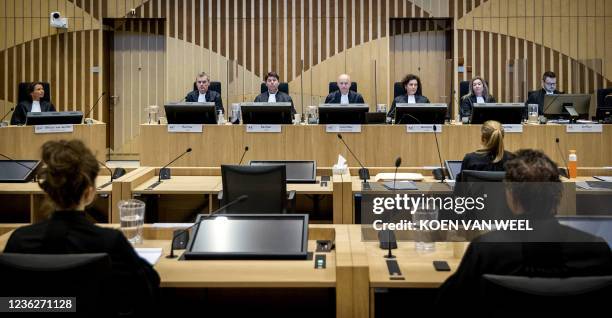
(35, 103)
(203, 94)
(344, 95)
(533, 193)
(549, 85)
(273, 95)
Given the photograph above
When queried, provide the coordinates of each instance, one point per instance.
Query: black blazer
(211, 96)
(483, 162)
(281, 97)
(66, 232)
(537, 97)
(404, 99)
(509, 253)
(467, 103)
(22, 109)
(353, 97)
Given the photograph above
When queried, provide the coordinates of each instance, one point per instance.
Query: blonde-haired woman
(479, 93)
(492, 156)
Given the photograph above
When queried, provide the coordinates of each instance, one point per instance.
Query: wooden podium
(21, 142)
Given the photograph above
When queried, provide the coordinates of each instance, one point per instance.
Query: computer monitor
(191, 113)
(453, 167)
(249, 236)
(567, 106)
(266, 113)
(420, 113)
(298, 171)
(505, 113)
(596, 225)
(352, 114)
(54, 118)
(12, 171)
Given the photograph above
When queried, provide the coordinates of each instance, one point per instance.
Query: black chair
(604, 105)
(214, 86)
(464, 88)
(60, 275)
(504, 293)
(266, 187)
(283, 87)
(398, 90)
(22, 92)
(482, 176)
(333, 86)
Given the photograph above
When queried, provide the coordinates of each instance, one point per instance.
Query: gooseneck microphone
(114, 175)
(243, 154)
(89, 120)
(391, 242)
(364, 173)
(178, 233)
(566, 171)
(10, 110)
(164, 172)
(439, 174)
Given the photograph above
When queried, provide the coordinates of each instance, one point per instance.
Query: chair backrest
(333, 86)
(499, 291)
(398, 89)
(266, 187)
(283, 87)
(83, 276)
(464, 88)
(482, 176)
(214, 86)
(602, 101)
(22, 92)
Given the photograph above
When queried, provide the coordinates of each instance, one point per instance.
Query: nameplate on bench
(336, 128)
(188, 128)
(256, 128)
(49, 129)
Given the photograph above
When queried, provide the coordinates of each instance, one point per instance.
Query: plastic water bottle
(220, 118)
(573, 164)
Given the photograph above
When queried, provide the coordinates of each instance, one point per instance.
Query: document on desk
(149, 254)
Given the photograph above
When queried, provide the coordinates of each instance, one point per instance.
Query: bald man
(344, 95)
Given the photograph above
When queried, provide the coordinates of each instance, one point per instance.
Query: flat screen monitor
(267, 113)
(298, 171)
(426, 114)
(12, 171)
(567, 106)
(597, 225)
(352, 114)
(191, 113)
(249, 236)
(453, 167)
(505, 113)
(54, 118)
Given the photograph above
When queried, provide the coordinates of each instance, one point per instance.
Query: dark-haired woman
(34, 104)
(414, 93)
(68, 178)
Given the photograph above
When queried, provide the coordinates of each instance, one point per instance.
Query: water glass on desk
(532, 112)
(131, 216)
(424, 238)
(235, 119)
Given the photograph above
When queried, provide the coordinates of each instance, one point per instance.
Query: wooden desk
(20, 142)
(25, 201)
(237, 274)
(376, 145)
(188, 185)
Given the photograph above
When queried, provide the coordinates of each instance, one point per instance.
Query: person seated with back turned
(493, 156)
(68, 179)
(344, 95)
(273, 95)
(34, 104)
(203, 94)
(479, 93)
(414, 93)
(549, 87)
(533, 192)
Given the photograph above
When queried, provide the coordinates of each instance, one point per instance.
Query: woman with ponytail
(492, 156)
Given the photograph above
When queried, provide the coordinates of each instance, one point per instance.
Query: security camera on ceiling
(57, 21)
